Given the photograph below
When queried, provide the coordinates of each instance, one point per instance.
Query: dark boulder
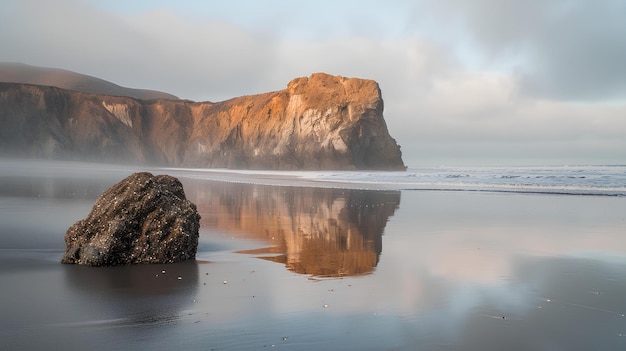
(142, 219)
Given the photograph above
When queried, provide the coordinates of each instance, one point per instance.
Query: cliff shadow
(322, 232)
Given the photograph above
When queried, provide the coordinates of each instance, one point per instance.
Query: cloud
(439, 109)
(484, 117)
(570, 50)
(156, 50)
(205, 58)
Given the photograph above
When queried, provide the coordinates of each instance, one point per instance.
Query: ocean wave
(580, 180)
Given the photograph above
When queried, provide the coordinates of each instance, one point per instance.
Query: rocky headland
(317, 122)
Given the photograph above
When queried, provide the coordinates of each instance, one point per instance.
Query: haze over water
(334, 264)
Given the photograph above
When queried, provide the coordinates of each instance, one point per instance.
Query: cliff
(320, 122)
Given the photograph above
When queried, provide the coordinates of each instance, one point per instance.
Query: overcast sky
(481, 82)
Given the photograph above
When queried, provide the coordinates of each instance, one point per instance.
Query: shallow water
(566, 180)
(303, 268)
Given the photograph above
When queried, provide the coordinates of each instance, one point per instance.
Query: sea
(601, 180)
(569, 180)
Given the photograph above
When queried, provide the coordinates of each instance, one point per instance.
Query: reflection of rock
(142, 219)
(318, 231)
(135, 294)
(135, 280)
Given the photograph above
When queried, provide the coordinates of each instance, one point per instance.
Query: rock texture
(319, 122)
(142, 219)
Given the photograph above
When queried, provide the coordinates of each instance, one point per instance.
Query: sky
(465, 83)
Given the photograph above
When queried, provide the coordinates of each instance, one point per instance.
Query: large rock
(142, 219)
(317, 122)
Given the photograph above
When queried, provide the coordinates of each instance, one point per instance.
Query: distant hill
(22, 73)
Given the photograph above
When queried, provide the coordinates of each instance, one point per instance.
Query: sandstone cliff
(320, 122)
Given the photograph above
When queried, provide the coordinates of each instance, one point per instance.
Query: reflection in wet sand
(135, 280)
(318, 231)
(141, 294)
(462, 270)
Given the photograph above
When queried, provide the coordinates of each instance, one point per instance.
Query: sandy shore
(319, 268)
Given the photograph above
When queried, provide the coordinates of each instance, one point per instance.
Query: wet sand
(303, 268)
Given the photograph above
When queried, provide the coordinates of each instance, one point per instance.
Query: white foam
(580, 180)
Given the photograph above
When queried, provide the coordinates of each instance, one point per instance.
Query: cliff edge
(318, 122)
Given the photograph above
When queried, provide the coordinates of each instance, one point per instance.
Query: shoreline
(580, 180)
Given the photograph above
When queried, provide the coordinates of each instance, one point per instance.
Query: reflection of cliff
(318, 231)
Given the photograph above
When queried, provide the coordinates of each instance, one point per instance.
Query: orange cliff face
(317, 231)
(320, 122)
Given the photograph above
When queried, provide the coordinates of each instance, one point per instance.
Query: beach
(307, 265)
